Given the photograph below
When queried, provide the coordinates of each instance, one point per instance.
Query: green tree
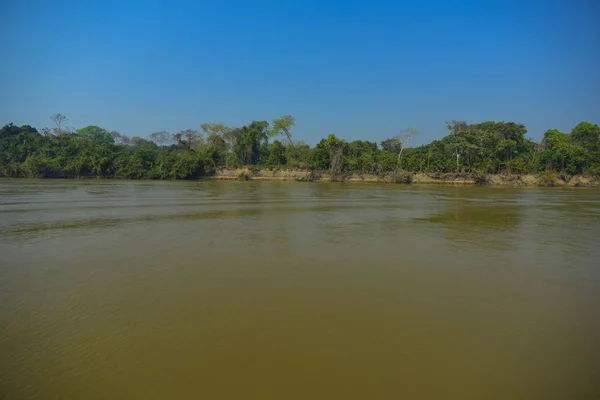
(16, 144)
(282, 126)
(187, 165)
(298, 155)
(560, 154)
(277, 155)
(361, 156)
(328, 154)
(398, 143)
(95, 134)
(251, 142)
(463, 142)
(586, 135)
(217, 135)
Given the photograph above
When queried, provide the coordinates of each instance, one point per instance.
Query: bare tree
(119, 138)
(401, 142)
(457, 139)
(161, 138)
(136, 140)
(58, 119)
(187, 138)
(458, 151)
(336, 153)
(335, 170)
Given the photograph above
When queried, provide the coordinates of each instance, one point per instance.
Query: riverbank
(546, 179)
(549, 179)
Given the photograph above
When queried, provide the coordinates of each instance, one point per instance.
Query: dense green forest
(483, 148)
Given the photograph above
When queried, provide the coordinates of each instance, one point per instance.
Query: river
(277, 290)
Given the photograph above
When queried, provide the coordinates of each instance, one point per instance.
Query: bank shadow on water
(481, 220)
(329, 212)
(25, 229)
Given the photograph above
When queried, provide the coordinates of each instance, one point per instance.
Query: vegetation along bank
(486, 153)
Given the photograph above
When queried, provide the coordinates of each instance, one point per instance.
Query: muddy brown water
(274, 290)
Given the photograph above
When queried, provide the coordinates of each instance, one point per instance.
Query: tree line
(480, 148)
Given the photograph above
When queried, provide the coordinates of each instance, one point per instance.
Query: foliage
(475, 149)
(232, 161)
(547, 178)
(282, 126)
(95, 134)
(277, 155)
(254, 170)
(562, 153)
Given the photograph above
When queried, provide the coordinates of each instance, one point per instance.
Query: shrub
(403, 177)
(564, 176)
(232, 161)
(547, 178)
(480, 177)
(310, 177)
(244, 177)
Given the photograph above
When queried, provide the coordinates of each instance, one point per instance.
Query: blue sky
(359, 69)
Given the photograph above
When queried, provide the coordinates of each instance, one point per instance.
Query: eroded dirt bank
(545, 179)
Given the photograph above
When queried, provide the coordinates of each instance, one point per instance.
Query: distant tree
(60, 129)
(217, 134)
(276, 154)
(17, 145)
(95, 134)
(58, 119)
(493, 145)
(187, 165)
(283, 126)
(361, 155)
(461, 140)
(298, 154)
(560, 154)
(215, 150)
(587, 135)
(136, 140)
(398, 143)
(215, 128)
(187, 138)
(161, 138)
(119, 138)
(251, 142)
(215, 140)
(328, 154)
(391, 145)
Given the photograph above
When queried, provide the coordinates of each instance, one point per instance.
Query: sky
(360, 69)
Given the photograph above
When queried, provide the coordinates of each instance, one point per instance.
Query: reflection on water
(480, 221)
(297, 290)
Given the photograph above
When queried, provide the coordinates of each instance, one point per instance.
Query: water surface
(270, 290)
